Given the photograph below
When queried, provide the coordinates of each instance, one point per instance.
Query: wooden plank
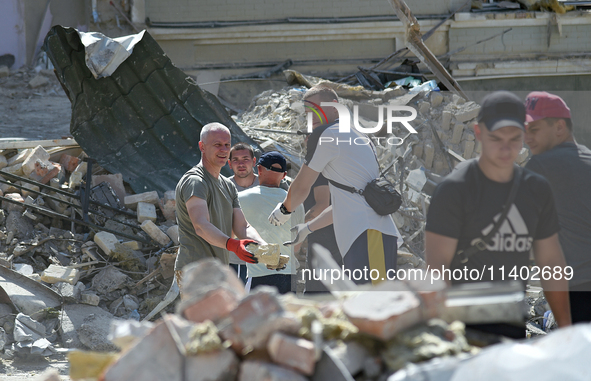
(21, 144)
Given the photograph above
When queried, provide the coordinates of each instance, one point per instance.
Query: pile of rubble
(222, 333)
(66, 285)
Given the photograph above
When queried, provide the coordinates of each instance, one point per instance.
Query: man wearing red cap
(567, 166)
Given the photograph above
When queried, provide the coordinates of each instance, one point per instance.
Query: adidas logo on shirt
(513, 235)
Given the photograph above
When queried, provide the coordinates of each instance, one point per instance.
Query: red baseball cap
(540, 105)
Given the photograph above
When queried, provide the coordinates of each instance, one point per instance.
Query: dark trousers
(371, 256)
(240, 270)
(580, 303)
(282, 282)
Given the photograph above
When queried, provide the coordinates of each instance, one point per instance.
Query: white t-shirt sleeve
(326, 151)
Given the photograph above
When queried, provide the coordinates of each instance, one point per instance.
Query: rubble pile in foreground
(221, 333)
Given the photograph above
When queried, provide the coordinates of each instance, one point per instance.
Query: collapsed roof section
(144, 120)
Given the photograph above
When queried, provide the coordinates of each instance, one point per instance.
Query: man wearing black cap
(470, 203)
(567, 166)
(257, 203)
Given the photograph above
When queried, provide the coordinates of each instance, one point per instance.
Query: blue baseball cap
(269, 158)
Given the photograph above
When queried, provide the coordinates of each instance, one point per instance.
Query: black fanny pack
(379, 193)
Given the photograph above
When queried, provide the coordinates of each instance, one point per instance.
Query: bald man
(207, 207)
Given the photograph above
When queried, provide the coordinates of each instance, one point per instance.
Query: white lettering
(368, 130)
(401, 119)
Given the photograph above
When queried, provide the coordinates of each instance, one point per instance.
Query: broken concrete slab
(166, 360)
(155, 233)
(86, 326)
(257, 370)
(69, 292)
(292, 352)
(90, 298)
(147, 197)
(38, 153)
(3, 161)
(108, 280)
(27, 295)
(20, 226)
(384, 313)
(55, 273)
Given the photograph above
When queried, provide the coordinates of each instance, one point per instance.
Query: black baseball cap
(502, 109)
(269, 158)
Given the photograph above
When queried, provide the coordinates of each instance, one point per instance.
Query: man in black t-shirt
(466, 205)
(567, 166)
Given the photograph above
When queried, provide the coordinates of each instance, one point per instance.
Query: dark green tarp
(144, 120)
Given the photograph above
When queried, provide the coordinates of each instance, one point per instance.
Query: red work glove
(238, 246)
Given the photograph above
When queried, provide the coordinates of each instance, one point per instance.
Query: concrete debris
(108, 280)
(38, 81)
(55, 273)
(155, 233)
(256, 370)
(297, 354)
(147, 197)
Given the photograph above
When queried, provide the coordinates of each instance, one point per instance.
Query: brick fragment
(148, 197)
(154, 232)
(146, 212)
(68, 162)
(292, 352)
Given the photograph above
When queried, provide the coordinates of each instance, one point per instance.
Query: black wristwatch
(284, 210)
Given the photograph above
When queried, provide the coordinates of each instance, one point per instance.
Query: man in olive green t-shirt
(207, 207)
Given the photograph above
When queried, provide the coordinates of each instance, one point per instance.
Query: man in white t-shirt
(257, 203)
(367, 241)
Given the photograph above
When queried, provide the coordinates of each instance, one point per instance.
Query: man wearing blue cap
(488, 214)
(257, 202)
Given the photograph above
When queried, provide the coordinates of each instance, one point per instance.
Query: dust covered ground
(38, 113)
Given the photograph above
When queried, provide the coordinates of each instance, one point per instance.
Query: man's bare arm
(322, 201)
(324, 219)
(548, 253)
(242, 229)
(300, 187)
(439, 250)
(199, 214)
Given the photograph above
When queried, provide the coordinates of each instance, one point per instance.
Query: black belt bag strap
(481, 242)
(379, 193)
